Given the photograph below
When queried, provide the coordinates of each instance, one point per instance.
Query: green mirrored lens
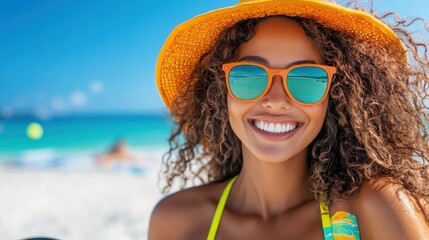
(247, 82)
(307, 84)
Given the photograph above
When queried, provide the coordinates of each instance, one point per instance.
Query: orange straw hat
(191, 39)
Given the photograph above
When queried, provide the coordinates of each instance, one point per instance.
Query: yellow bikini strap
(326, 221)
(219, 210)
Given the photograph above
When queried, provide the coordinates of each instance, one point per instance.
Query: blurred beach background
(82, 127)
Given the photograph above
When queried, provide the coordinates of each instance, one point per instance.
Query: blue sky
(67, 57)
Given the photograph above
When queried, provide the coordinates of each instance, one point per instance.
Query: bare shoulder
(185, 214)
(385, 210)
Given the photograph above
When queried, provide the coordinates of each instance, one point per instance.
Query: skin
(271, 196)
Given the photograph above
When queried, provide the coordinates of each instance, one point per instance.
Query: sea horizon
(82, 135)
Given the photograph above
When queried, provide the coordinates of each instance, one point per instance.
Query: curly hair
(375, 124)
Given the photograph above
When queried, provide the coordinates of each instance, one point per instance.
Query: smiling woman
(302, 118)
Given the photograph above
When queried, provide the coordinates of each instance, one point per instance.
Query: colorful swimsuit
(341, 226)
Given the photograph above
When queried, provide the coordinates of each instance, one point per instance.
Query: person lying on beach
(302, 119)
(118, 154)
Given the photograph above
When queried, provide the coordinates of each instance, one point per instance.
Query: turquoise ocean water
(81, 135)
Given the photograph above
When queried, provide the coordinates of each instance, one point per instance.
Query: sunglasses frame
(226, 67)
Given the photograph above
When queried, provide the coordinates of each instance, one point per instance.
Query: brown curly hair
(375, 124)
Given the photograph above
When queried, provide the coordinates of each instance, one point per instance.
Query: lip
(275, 136)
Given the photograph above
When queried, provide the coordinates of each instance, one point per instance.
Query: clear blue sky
(66, 57)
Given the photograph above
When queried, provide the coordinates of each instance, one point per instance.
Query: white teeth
(278, 128)
(271, 127)
(275, 127)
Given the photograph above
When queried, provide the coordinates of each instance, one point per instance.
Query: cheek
(236, 112)
(318, 115)
(232, 111)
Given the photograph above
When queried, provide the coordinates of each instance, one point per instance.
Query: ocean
(75, 137)
(53, 184)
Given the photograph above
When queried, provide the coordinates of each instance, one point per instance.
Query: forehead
(280, 41)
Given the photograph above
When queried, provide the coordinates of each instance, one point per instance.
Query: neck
(269, 189)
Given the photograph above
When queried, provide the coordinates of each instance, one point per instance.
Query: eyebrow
(264, 61)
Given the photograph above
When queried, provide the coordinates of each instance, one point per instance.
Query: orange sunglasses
(306, 84)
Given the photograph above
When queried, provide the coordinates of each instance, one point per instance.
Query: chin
(274, 152)
(276, 155)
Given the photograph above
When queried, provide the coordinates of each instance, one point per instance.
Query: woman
(302, 118)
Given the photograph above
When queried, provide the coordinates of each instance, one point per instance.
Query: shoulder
(385, 210)
(184, 214)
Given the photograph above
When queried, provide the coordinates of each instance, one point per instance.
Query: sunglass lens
(247, 82)
(307, 84)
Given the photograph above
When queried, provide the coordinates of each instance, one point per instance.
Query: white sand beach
(77, 205)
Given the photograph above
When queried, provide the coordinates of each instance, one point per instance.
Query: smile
(275, 127)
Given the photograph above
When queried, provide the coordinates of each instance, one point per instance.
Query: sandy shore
(76, 205)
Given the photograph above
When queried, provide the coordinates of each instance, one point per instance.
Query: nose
(276, 98)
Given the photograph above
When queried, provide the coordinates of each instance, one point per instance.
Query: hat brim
(191, 39)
